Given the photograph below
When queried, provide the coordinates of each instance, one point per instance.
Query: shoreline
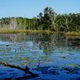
(24, 31)
(69, 33)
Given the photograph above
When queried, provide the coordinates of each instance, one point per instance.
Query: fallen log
(26, 70)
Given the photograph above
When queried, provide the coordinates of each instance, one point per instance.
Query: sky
(31, 8)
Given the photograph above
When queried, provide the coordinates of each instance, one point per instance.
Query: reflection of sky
(10, 73)
(65, 57)
(4, 43)
(20, 52)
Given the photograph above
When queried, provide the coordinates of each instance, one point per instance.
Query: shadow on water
(50, 55)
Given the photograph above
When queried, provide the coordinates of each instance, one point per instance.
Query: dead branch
(26, 70)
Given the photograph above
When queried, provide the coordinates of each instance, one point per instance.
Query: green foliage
(46, 20)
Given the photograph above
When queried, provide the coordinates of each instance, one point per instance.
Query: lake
(53, 56)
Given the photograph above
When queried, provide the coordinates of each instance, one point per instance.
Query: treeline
(16, 23)
(46, 20)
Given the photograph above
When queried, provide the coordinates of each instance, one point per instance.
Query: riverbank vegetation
(46, 20)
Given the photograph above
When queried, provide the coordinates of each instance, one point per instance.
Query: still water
(53, 56)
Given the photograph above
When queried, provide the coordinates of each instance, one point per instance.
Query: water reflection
(43, 52)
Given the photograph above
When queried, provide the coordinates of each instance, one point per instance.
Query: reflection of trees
(46, 46)
(50, 42)
(45, 41)
(13, 37)
(73, 42)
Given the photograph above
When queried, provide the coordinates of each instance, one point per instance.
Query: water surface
(52, 56)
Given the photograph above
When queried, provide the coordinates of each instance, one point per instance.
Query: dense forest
(46, 20)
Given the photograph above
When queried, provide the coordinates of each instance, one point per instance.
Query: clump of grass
(72, 33)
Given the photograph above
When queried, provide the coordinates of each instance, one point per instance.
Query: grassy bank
(24, 31)
(38, 31)
(73, 33)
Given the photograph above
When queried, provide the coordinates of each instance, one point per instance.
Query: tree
(46, 20)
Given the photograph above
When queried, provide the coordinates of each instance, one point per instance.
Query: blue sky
(31, 8)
